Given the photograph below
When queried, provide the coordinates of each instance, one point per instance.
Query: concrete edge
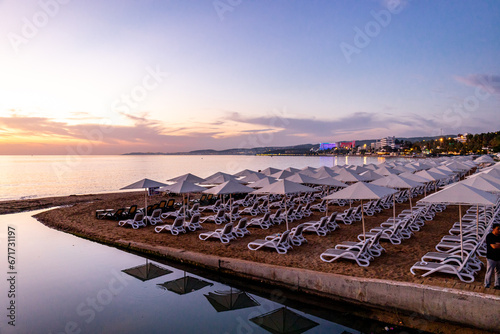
(446, 304)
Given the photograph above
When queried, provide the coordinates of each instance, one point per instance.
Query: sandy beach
(77, 216)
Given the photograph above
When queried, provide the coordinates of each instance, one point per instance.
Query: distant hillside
(297, 149)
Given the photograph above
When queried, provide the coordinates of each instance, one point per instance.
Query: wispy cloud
(488, 82)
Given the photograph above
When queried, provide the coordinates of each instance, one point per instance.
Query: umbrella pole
(230, 209)
(461, 233)
(146, 203)
(477, 222)
(411, 206)
(363, 221)
(286, 215)
(394, 208)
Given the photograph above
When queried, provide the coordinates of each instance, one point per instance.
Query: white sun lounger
(175, 228)
(361, 256)
(137, 222)
(279, 243)
(223, 234)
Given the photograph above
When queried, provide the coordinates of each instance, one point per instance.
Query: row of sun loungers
(454, 258)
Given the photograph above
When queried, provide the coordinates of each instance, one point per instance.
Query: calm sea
(48, 175)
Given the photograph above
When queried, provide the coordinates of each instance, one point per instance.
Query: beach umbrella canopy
(370, 175)
(495, 172)
(147, 271)
(330, 181)
(182, 187)
(414, 177)
(184, 285)
(284, 187)
(361, 191)
(270, 170)
(431, 176)
(358, 169)
(144, 184)
(302, 179)
(461, 194)
(484, 159)
(483, 183)
(283, 174)
(230, 300)
(187, 177)
(441, 170)
(263, 182)
(397, 182)
(283, 320)
(252, 177)
(244, 172)
(324, 173)
(292, 169)
(387, 171)
(458, 166)
(219, 178)
(348, 176)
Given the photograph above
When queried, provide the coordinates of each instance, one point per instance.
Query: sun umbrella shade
(484, 159)
(460, 193)
(230, 300)
(270, 170)
(483, 183)
(229, 187)
(330, 181)
(324, 173)
(347, 176)
(415, 178)
(370, 175)
(284, 187)
(283, 320)
(362, 190)
(218, 178)
(184, 285)
(183, 187)
(147, 271)
(396, 181)
(431, 176)
(301, 178)
(187, 177)
(263, 182)
(245, 172)
(144, 184)
(253, 177)
(282, 174)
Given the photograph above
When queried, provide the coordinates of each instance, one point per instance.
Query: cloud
(488, 82)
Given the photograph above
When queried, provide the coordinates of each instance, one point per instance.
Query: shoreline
(336, 279)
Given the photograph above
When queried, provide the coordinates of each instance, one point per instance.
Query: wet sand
(79, 218)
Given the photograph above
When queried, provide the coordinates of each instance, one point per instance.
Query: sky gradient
(111, 77)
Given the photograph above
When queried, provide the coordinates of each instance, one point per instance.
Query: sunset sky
(118, 76)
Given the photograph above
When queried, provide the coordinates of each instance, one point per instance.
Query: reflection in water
(284, 321)
(185, 284)
(147, 271)
(68, 284)
(230, 300)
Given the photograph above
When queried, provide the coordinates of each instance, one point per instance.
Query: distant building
(346, 144)
(387, 141)
(461, 138)
(327, 146)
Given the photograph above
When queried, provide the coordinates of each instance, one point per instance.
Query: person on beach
(493, 257)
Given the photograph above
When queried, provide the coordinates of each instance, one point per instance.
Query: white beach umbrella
(282, 174)
(144, 184)
(302, 179)
(270, 170)
(252, 177)
(348, 176)
(362, 191)
(484, 159)
(263, 182)
(324, 173)
(187, 177)
(244, 172)
(461, 194)
(371, 175)
(292, 169)
(387, 171)
(284, 187)
(218, 178)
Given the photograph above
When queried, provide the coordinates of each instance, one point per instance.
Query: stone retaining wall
(457, 306)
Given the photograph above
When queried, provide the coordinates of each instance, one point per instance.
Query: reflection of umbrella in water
(184, 285)
(230, 300)
(283, 320)
(147, 271)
